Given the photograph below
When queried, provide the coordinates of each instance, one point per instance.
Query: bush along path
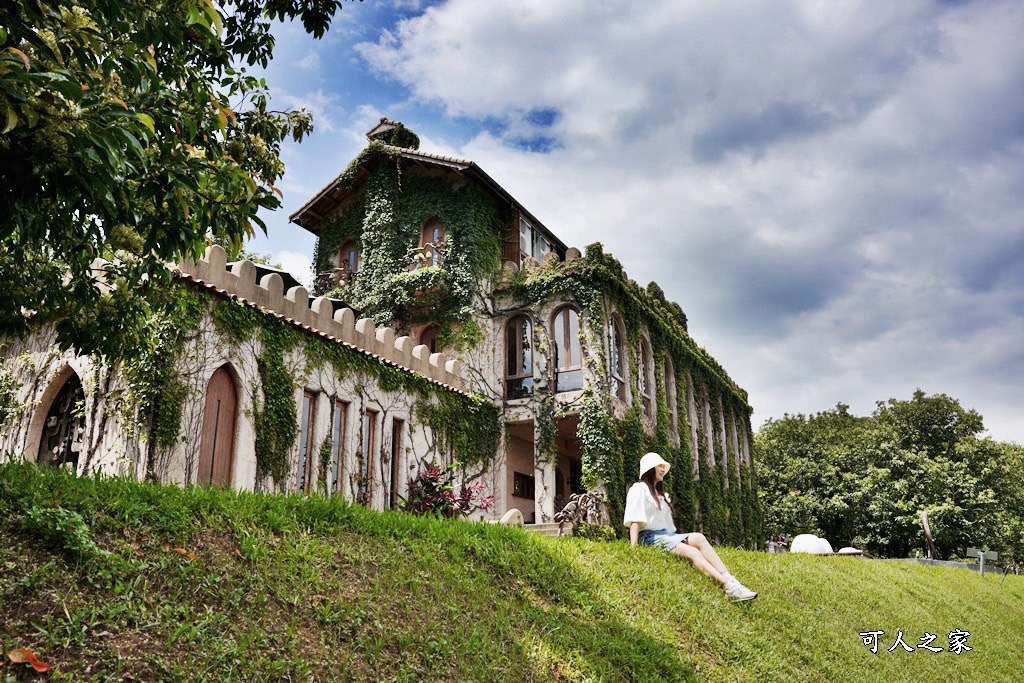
(109, 579)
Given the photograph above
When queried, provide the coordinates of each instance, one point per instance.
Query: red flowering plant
(432, 491)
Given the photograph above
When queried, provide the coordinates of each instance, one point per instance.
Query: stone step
(548, 529)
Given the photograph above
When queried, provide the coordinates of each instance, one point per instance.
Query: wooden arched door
(217, 446)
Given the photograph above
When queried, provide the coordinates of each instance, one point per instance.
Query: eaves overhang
(335, 193)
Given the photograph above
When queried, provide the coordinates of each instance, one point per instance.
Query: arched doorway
(64, 430)
(217, 445)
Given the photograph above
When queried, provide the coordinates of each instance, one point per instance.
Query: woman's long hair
(657, 487)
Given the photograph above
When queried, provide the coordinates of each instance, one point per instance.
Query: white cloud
(298, 264)
(833, 191)
(325, 107)
(310, 62)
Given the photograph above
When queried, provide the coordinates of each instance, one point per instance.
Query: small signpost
(982, 555)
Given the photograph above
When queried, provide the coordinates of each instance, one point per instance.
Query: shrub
(63, 529)
(432, 491)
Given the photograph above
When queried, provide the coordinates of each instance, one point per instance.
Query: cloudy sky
(833, 191)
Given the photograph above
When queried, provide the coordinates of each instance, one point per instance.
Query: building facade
(448, 325)
(589, 370)
(250, 387)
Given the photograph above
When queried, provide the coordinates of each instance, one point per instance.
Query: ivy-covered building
(447, 324)
(588, 369)
(244, 381)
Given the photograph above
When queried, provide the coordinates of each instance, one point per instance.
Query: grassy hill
(106, 579)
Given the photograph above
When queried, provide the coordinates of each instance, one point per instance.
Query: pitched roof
(312, 213)
(385, 124)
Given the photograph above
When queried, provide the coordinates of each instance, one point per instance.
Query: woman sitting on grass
(649, 518)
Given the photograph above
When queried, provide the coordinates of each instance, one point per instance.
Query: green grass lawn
(161, 583)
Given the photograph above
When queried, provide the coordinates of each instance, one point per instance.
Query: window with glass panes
(349, 261)
(368, 444)
(518, 358)
(339, 420)
(645, 378)
(532, 242)
(616, 369)
(396, 456)
(431, 240)
(565, 327)
(305, 442)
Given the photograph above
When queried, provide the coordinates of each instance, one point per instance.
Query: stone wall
(319, 314)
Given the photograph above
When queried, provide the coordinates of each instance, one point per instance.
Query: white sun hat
(652, 460)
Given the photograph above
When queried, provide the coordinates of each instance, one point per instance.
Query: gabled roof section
(313, 212)
(383, 126)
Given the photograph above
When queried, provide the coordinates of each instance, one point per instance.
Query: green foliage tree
(1009, 521)
(807, 471)
(931, 424)
(131, 131)
(865, 480)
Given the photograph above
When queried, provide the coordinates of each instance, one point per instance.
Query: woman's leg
(703, 545)
(697, 559)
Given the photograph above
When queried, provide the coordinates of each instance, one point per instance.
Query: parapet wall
(319, 316)
(530, 263)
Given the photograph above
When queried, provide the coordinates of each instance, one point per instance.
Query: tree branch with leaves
(119, 140)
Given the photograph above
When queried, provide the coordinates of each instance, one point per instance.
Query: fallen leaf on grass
(23, 655)
(185, 553)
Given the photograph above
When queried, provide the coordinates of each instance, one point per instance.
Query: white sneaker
(737, 591)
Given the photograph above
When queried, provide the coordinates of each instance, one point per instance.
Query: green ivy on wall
(151, 368)
(324, 460)
(399, 136)
(546, 428)
(8, 393)
(466, 425)
(385, 218)
(275, 419)
(611, 447)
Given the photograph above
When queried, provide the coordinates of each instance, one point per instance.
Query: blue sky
(834, 192)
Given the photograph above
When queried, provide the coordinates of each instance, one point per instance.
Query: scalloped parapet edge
(531, 263)
(320, 317)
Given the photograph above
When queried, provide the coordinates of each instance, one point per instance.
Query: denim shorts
(661, 538)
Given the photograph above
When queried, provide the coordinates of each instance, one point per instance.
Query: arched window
(645, 377)
(63, 434)
(428, 338)
(616, 365)
(670, 392)
(519, 358)
(565, 328)
(431, 241)
(348, 260)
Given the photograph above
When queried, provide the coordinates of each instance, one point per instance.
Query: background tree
(865, 480)
(130, 130)
(806, 472)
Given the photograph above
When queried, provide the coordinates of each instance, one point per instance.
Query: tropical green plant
(432, 491)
